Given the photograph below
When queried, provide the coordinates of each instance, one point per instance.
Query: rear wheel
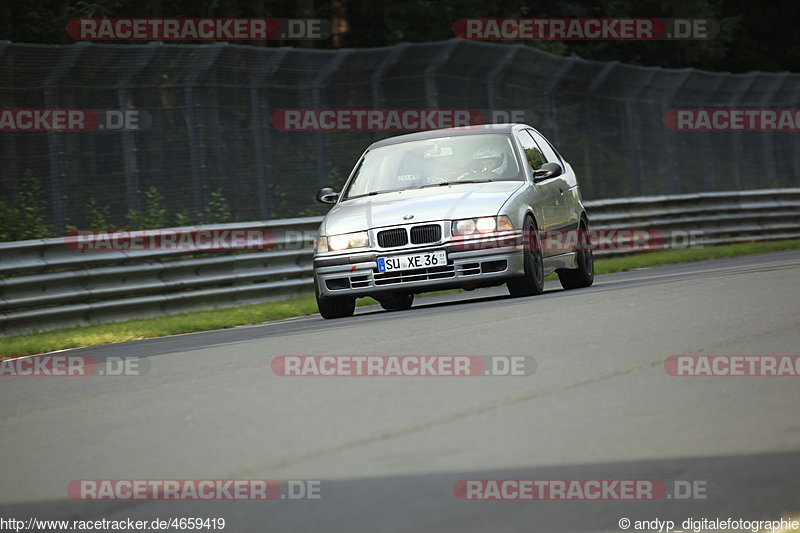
(398, 301)
(532, 282)
(335, 307)
(583, 276)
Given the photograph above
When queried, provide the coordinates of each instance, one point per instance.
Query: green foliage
(182, 219)
(217, 211)
(97, 215)
(25, 218)
(154, 214)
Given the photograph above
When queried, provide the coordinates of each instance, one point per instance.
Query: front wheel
(532, 282)
(583, 276)
(335, 307)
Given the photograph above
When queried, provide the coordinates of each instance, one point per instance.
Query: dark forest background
(760, 35)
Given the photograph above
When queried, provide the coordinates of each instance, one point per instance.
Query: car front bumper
(357, 274)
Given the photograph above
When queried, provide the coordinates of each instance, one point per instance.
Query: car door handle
(561, 190)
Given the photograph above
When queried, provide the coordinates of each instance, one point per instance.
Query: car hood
(450, 202)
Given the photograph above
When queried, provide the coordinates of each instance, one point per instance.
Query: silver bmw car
(452, 208)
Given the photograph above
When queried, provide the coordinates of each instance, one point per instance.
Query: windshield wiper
(373, 193)
(442, 184)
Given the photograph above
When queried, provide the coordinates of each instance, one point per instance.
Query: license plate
(412, 261)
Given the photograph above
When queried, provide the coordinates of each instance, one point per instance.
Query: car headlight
(321, 245)
(337, 243)
(470, 226)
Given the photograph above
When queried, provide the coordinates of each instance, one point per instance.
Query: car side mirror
(547, 171)
(326, 195)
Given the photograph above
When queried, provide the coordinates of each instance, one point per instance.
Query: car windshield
(442, 161)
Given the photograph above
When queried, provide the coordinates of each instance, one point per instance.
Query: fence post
(598, 187)
(259, 107)
(633, 135)
(736, 136)
(320, 138)
(129, 149)
(193, 124)
(377, 78)
(768, 137)
(705, 137)
(57, 188)
(549, 89)
(10, 148)
(431, 91)
(496, 74)
(667, 102)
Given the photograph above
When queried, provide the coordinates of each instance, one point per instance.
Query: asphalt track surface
(389, 450)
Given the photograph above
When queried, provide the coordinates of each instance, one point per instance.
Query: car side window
(550, 153)
(533, 154)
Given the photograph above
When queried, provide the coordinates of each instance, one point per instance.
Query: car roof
(447, 132)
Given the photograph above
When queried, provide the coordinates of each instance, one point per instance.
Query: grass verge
(305, 305)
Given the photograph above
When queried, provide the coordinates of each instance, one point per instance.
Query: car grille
(392, 238)
(426, 234)
(420, 274)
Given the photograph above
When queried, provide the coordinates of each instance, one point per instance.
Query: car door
(567, 204)
(545, 203)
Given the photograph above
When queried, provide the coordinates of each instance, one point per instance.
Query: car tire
(532, 282)
(336, 307)
(583, 276)
(398, 302)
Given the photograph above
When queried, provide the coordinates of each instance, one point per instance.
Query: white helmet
(490, 159)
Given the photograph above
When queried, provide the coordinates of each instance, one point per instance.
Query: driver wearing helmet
(488, 159)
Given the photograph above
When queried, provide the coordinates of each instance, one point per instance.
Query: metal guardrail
(45, 284)
(720, 217)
